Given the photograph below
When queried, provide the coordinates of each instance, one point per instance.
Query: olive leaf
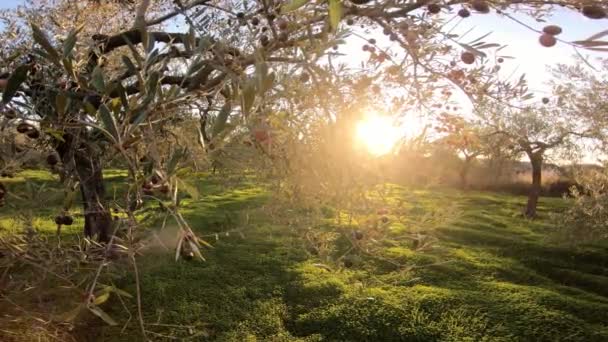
(293, 5)
(335, 13)
(41, 38)
(97, 311)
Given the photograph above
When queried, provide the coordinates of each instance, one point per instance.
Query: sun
(378, 134)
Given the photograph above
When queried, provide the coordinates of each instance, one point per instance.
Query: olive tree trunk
(536, 160)
(97, 217)
(86, 165)
(464, 173)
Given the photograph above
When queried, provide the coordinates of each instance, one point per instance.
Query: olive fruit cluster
(66, 220)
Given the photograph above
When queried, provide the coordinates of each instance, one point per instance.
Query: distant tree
(535, 131)
(465, 138)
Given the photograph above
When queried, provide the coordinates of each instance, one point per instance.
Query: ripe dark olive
(545, 100)
(464, 13)
(33, 134)
(553, 30)
(547, 40)
(52, 159)
(282, 24)
(10, 114)
(500, 60)
(68, 220)
(264, 40)
(24, 127)
(393, 37)
(372, 41)
(467, 57)
(358, 235)
(350, 21)
(2, 191)
(360, 2)
(480, 6)
(452, 64)
(154, 179)
(348, 263)
(240, 15)
(433, 8)
(59, 219)
(255, 21)
(594, 12)
(164, 189)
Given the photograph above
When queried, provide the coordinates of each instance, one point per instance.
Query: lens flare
(378, 134)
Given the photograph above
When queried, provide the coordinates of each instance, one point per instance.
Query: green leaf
(473, 50)
(153, 82)
(139, 117)
(102, 298)
(293, 5)
(61, 103)
(101, 314)
(14, 82)
(174, 161)
(335, 13)
(97, 80)
(108, 121)
(41, 38)
(120, 292)
(69, 67)
(69, 316)
(58, 135)
(70, 41)
(68, 200)
(130, 66)
(222, 117)
(248, 96)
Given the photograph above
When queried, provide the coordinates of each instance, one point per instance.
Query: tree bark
(536, 159)
(464, 172)
(97, 217)
(86, 164)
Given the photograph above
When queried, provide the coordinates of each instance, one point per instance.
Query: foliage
(587, 219)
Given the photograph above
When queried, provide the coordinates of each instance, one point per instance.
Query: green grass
(495, 276)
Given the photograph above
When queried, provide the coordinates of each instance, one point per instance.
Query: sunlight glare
(378, 134)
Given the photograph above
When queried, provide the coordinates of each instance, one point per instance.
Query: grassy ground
(493, 276)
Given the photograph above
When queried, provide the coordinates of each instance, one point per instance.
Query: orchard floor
(493, 276)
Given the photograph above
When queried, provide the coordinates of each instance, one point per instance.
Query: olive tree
(90, 95)
(535, 131)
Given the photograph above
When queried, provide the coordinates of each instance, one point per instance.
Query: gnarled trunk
(97, 217)
(536, 160)
(86, 163)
